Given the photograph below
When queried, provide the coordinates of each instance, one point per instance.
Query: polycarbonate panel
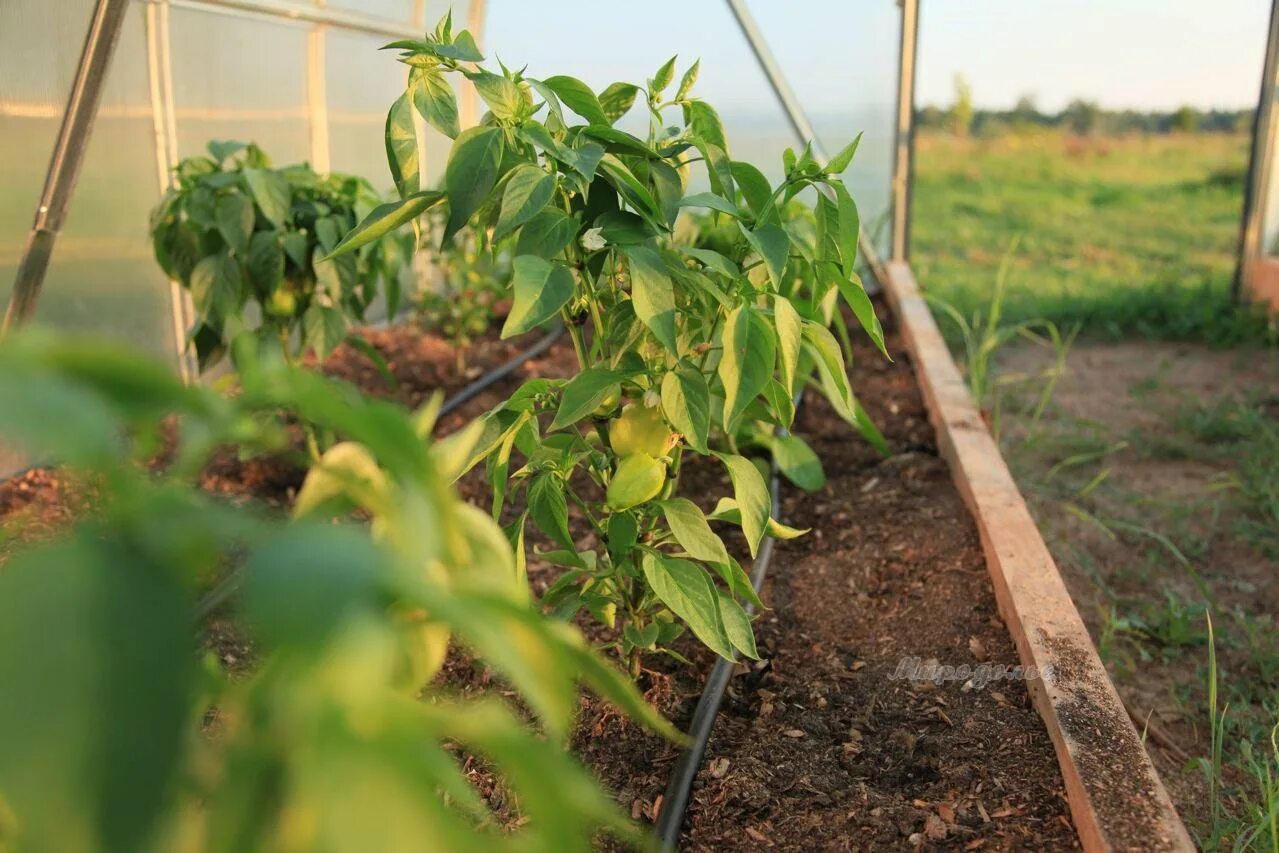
(103, 279)
(844, 73)
(400, 11)
(37, 65)
(240, 77)
(361, 82)
(616, 41)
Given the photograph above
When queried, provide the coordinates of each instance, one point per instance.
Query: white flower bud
(593, 240)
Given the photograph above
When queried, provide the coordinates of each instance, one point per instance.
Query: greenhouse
(437, 426)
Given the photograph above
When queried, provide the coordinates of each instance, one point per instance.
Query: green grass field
(1126, 236)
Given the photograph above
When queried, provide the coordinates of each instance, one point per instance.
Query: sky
(1145, 54)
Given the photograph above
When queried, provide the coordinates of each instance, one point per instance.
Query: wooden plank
(1116, 798)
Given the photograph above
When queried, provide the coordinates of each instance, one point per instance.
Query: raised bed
(821, 745)
(1116, 798)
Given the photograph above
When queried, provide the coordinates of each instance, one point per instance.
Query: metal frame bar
(306, 13)
(1265, 128)
(317, 99)
(904, 162)
(67, 158)
(794, 111)
(476, 15)
(159, 72)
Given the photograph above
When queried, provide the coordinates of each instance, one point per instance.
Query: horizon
(1132, 57)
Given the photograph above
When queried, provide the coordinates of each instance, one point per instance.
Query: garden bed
(819, 744)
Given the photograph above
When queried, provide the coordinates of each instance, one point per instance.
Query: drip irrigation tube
(670, 818)
(500, 372)
(228, 586)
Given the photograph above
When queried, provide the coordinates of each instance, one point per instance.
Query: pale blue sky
(1123, 53)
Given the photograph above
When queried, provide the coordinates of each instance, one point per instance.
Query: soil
(819, 745)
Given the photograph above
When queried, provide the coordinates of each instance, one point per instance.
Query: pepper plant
(113, 736)
(249, 242)
(467, 285)
(682, 349)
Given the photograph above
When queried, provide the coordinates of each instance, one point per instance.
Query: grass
(1132, 236)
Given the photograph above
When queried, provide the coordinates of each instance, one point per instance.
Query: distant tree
(931, 117)
(1026, 111)
(1082, 117)
(961, 111)
(1186, 120)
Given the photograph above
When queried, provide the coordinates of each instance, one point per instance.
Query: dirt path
(1153, 474)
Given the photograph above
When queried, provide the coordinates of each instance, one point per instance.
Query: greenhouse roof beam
(68, 156)
(794, 110)
(307, 13)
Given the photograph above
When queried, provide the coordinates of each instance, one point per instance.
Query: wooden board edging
(1116, 798)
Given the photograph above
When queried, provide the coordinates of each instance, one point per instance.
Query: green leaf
(746, 365)
(623, 531)
(713, 260)
(631, 190)
(798, 462)
(578, 97)
(830, 365)
(234, 215)
(296, 249)
(854, 293)
(93, 720)
(662, 78)
(623, 228)
(849, 225)
(692, 531)
(540, 289)
(547, 234)
(220, 149)
(711, 201)
(584, 393)
(841, 161)
(686, 402)
(504, 97)
(401, 147)
(751, 493)
(688, 591)
(436, 102)
(773, 245)
(737, 625)
(549, 508)
(528, 190)
(686, 82)
(216, 286)
(754, 186)
(323, 329)
(384, 219)
(271, 192)
(652, 293)
(470, 174)
(790, 338)
(617, 100)
(727, 510)
(706, 124)
(780, 399)
(264, 262)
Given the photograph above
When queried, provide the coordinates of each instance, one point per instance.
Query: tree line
(1081, 116)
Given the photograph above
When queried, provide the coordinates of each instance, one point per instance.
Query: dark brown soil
(817, 746)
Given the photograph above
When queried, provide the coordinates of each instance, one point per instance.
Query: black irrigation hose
(679, 789)
(499, 373)
(228, 586)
